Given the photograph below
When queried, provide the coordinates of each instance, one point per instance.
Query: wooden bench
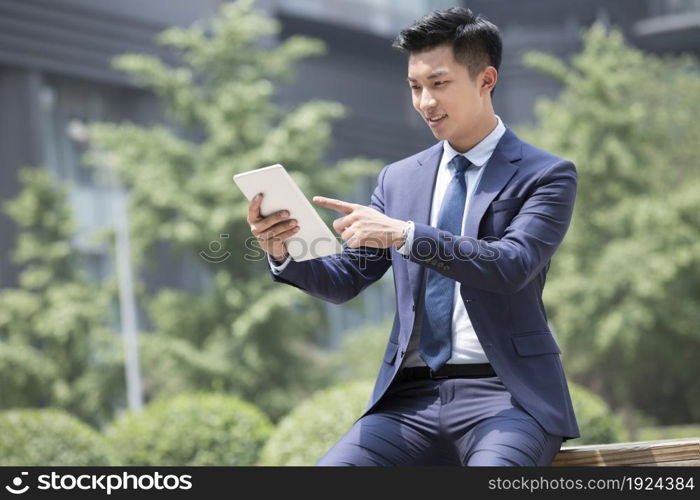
(668, 452)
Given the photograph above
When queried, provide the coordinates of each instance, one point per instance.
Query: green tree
(238, 332)
(624, 287)
(55, 347)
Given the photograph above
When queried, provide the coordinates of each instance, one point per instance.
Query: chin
(439, 135)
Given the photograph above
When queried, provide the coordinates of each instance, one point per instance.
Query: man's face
(451, 103)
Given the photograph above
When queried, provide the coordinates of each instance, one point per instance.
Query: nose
(427, 101)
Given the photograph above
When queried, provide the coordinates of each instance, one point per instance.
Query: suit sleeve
(508, 264)
(339, 278)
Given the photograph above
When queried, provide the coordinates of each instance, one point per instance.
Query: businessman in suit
(471, 374)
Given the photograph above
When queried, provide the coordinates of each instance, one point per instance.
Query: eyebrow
(431, 76)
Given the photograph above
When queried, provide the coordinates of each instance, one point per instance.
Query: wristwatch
(404, 235)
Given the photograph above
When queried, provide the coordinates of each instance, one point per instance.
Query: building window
(67, 107)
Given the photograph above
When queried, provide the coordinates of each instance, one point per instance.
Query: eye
(437, 84)
(415, 87)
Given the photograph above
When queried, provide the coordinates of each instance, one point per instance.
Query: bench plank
(651, 453)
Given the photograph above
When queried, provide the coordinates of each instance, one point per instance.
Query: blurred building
(55, 76)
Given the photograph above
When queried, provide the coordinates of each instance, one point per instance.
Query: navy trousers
(456, 421)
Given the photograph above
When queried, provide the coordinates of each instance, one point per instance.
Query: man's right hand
(271, 231)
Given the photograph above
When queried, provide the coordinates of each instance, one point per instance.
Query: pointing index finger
(339, 205)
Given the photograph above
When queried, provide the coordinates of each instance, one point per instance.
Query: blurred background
(139, 324)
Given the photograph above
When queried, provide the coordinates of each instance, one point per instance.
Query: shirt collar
(479, 154)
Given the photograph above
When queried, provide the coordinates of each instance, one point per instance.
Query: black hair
(476, 42)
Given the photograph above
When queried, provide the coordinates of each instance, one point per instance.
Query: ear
(487, 80)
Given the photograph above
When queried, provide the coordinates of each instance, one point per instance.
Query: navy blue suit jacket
(518, 216)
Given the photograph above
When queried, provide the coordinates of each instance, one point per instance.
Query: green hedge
(30, 437)
(598, 424)
(303, 436)
(194, 429)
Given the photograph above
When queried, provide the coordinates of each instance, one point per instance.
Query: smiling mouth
(433, 121)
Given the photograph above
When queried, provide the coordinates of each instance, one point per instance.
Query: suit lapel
(419, 197)
(497, 172)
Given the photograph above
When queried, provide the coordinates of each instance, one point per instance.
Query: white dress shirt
(466, 347)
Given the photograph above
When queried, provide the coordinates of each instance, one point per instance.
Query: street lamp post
(127, 304)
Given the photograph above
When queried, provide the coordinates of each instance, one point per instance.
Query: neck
(483, 128)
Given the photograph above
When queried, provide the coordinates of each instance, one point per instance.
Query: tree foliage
(55, 346)
(624, 287)
(232, 330)
(236, 331)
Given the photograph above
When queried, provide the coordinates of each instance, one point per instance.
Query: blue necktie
(436, 335)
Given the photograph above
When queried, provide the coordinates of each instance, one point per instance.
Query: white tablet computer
(280, 192)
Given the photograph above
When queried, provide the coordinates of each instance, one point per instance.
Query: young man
(471, 373)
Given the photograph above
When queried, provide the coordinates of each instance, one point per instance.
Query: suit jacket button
(413, 307)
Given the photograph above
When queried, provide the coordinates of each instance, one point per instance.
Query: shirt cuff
(278, 268)
(405, 249)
